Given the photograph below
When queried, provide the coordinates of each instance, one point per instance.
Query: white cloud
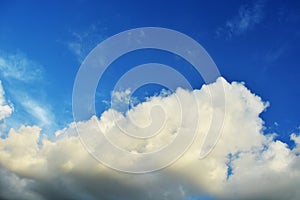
(270, 174)
(20, 73)
(41, 113)
(295, 138)
(248, 16)
(5, 109)
(18, 67)
(122, 100)
(62, 169)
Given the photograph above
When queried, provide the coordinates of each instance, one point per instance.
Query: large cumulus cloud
(35, 167)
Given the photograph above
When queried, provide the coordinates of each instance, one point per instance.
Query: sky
(254, 45)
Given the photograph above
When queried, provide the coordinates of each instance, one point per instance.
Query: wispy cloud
(248, 16)
(275, 53)
(24, 80)
(77, 49)
(6, 109)
(30, 109)
(84, 41)
(18, 67)
(42, 114)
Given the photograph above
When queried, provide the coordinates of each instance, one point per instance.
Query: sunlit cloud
(40, 167)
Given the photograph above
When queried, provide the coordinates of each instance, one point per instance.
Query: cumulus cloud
(33, 167)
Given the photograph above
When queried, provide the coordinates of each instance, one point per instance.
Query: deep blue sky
(257, 42)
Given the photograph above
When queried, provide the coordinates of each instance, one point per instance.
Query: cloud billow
(61, 168)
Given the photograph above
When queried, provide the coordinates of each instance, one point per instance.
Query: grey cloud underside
(83, 186)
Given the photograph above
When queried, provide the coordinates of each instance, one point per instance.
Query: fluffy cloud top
(33, 167)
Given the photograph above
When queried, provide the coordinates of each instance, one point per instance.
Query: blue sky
(56, 36)
(42, 46)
